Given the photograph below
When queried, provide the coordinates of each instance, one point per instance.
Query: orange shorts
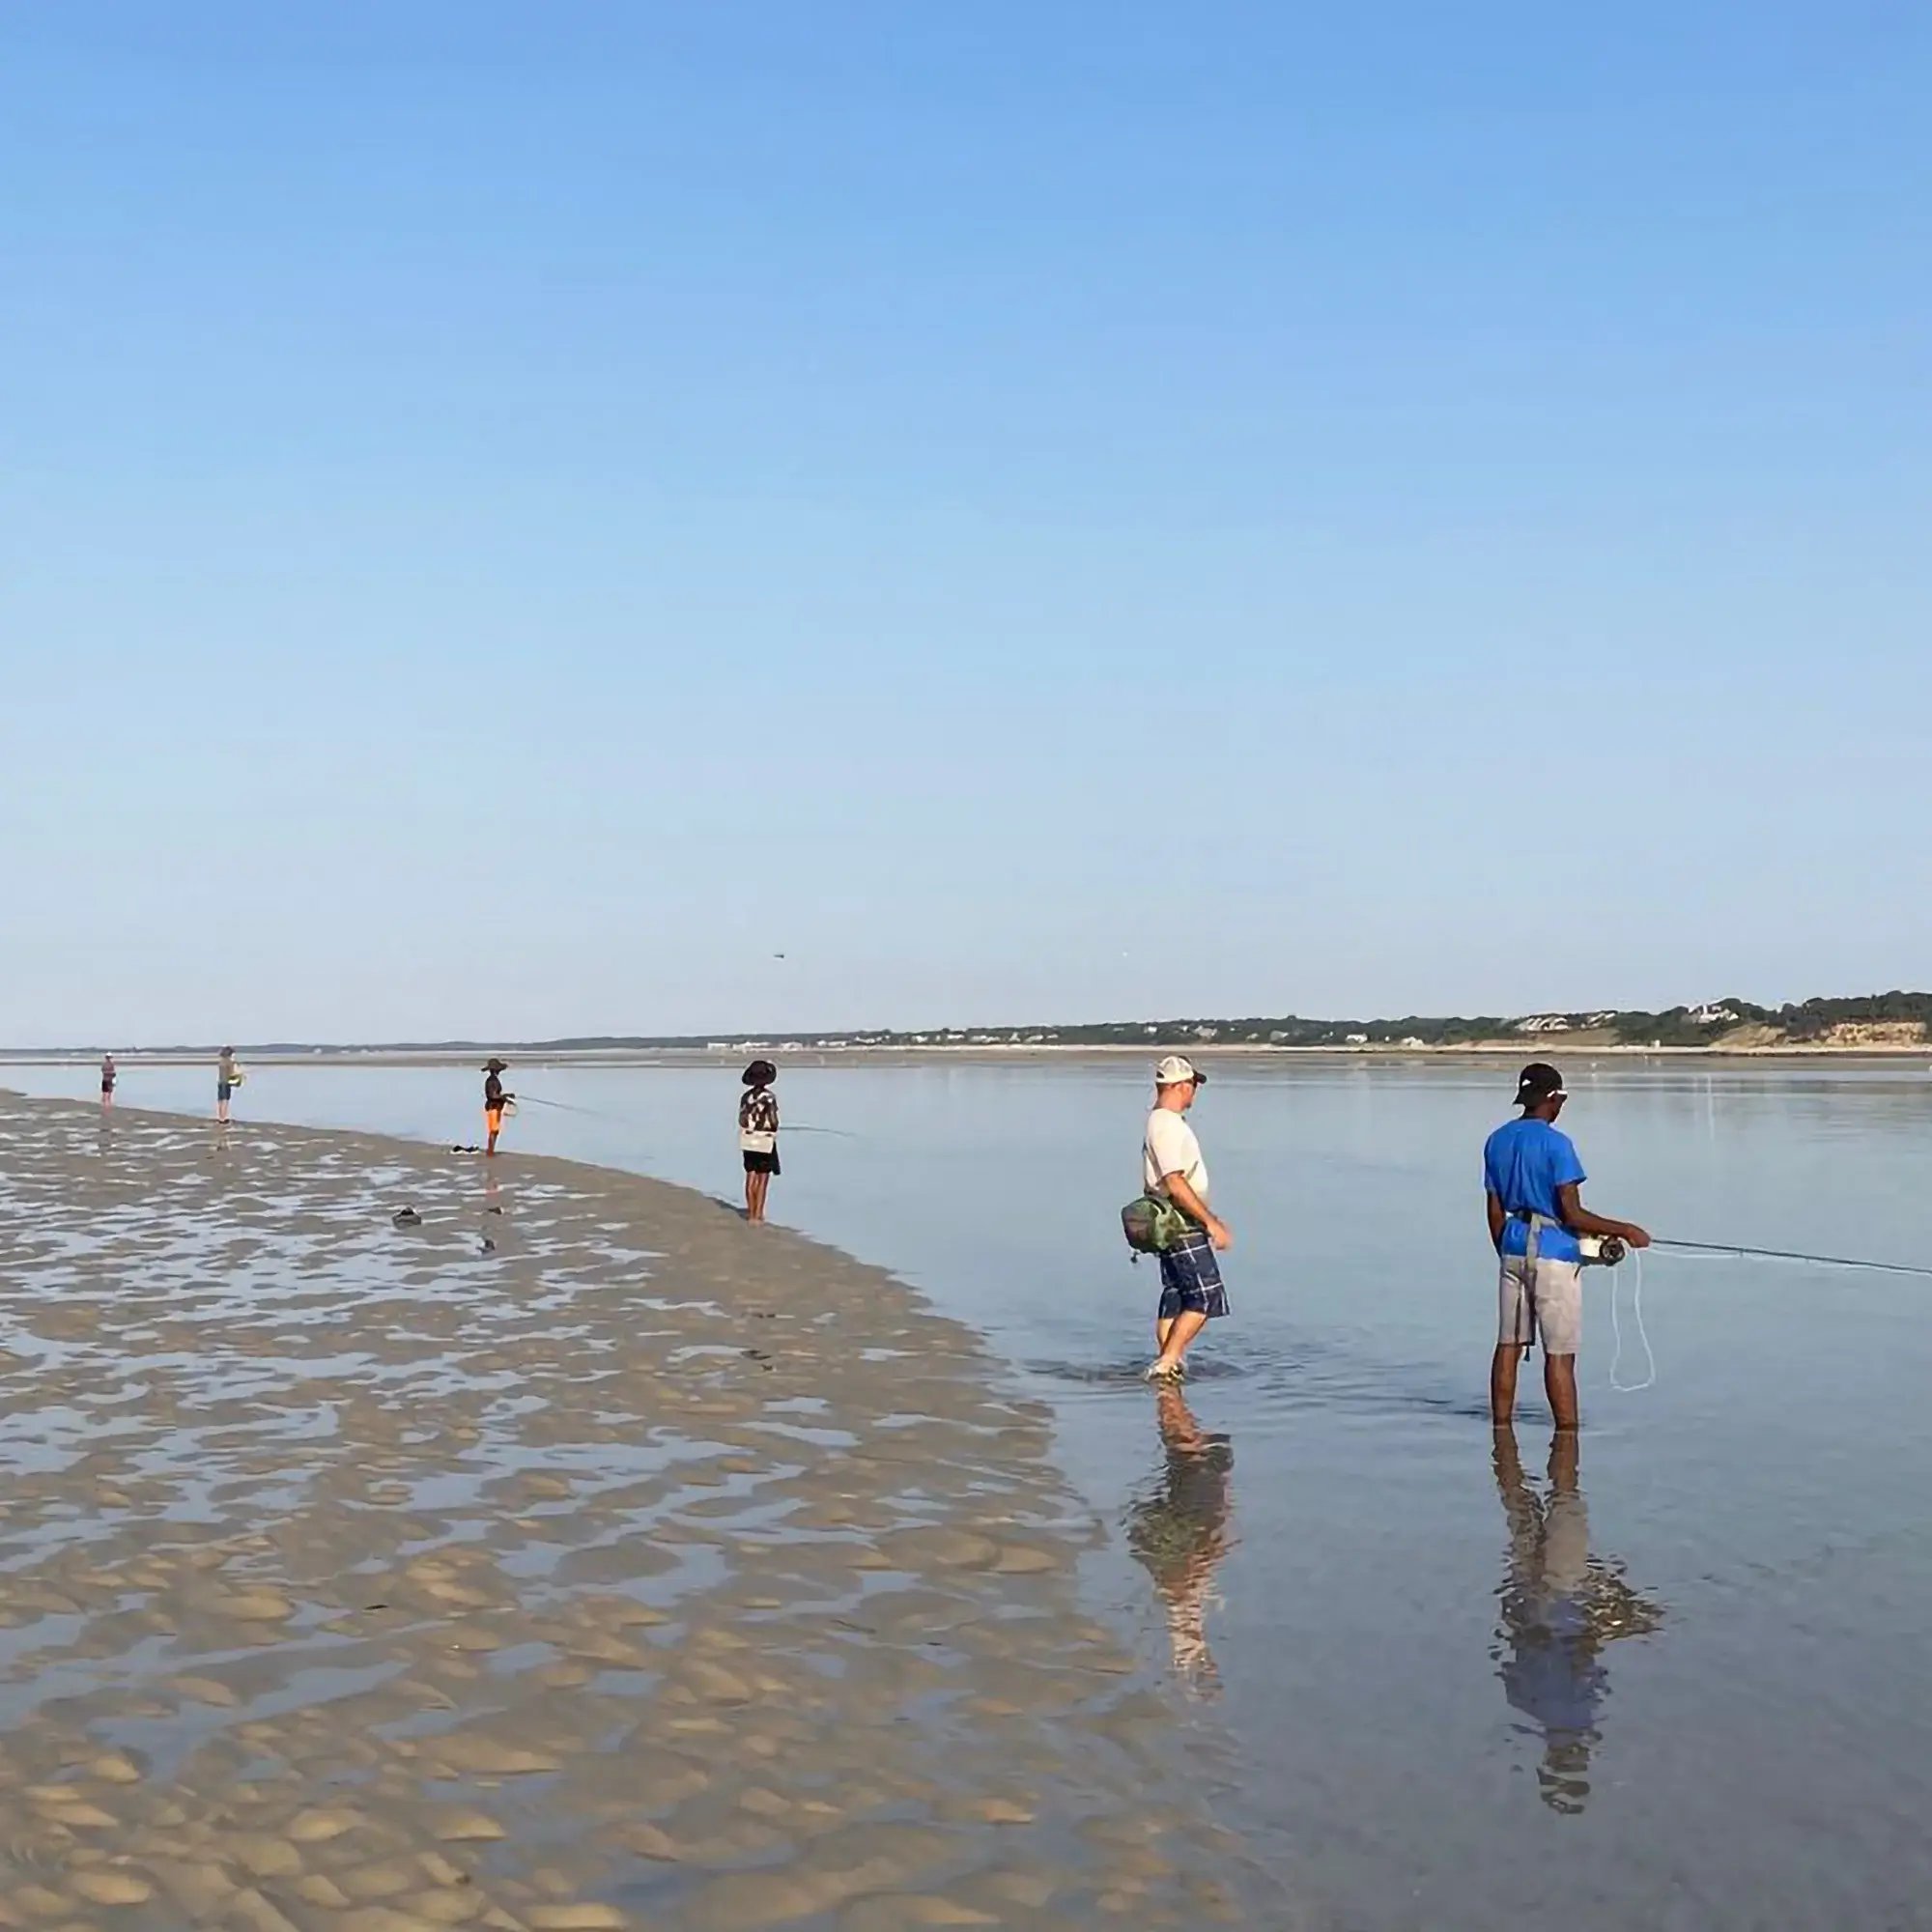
(493, 1120)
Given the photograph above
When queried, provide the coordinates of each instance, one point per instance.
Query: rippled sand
(579, 1557)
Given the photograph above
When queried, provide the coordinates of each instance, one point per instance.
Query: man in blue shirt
(1531, 1177)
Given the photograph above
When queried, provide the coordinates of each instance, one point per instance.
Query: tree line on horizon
(1710, 1024)
(1705, 1025)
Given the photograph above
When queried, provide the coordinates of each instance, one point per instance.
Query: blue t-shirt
(1524, 1162)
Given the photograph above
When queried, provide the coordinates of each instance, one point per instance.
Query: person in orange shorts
(493, 1098)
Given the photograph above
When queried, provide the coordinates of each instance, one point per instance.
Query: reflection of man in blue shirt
(1531, 1177)
(1561, 1609)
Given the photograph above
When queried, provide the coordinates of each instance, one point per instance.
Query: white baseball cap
(1175, 1071)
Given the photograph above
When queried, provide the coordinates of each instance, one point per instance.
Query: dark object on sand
(406, 1217)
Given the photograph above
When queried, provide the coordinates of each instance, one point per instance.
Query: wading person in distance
(493, 1098)
(1191, 1293)
(1531, 1177)
(107, 1078)
(226, 1080)
(758, 1135)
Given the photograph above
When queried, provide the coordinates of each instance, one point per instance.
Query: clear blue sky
(510, 515)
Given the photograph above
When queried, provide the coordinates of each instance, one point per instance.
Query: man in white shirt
(1191, 1293)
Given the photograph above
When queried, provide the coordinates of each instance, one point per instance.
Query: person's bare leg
(1180, 1337)
(751, 1194)
(489, 1141)
(1559, 1383)
(764, 1190)
(1503, 1364)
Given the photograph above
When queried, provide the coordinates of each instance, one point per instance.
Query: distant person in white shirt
(1191, 1293)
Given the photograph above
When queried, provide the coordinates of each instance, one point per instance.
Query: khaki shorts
(1556, 1302)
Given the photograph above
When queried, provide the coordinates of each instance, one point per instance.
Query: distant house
(1414, 1041)
(1544, 1023)
(1712, 1015)
(1355, 1040)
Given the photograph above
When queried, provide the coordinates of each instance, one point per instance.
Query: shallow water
(1678, 1684)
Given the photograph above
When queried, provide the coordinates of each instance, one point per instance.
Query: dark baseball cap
(1537, 1082)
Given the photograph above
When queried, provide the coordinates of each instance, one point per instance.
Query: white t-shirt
(1170, 1147)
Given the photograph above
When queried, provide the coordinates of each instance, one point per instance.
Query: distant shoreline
(1879, 1026)
(1548, 1044)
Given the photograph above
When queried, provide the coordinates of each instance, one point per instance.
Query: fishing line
(1729, 1250)
(1616, 1330)
(564, 1107)
(1792, 1255)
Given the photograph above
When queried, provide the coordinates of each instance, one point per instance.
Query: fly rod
(564, 1107)
(1791, 1255)
(623, 1120)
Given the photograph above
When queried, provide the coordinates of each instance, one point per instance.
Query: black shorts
(763, 1163)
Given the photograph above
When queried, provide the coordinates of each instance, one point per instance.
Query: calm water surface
(1678, 1680)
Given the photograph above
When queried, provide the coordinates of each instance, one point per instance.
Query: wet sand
(580, 1557)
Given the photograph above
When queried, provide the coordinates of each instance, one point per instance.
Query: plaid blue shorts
(1190, 1278)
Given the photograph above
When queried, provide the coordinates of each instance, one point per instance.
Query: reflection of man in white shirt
(1191, 1292)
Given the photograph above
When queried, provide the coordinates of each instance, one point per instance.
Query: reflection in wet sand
(1560, 1607)
(1177, 1529)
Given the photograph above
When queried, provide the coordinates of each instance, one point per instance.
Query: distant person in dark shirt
(227, 1077)
(493, 1098)
(758, 1135)
(107, 1077)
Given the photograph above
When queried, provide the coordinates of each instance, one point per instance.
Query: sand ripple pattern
(579, 1559)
